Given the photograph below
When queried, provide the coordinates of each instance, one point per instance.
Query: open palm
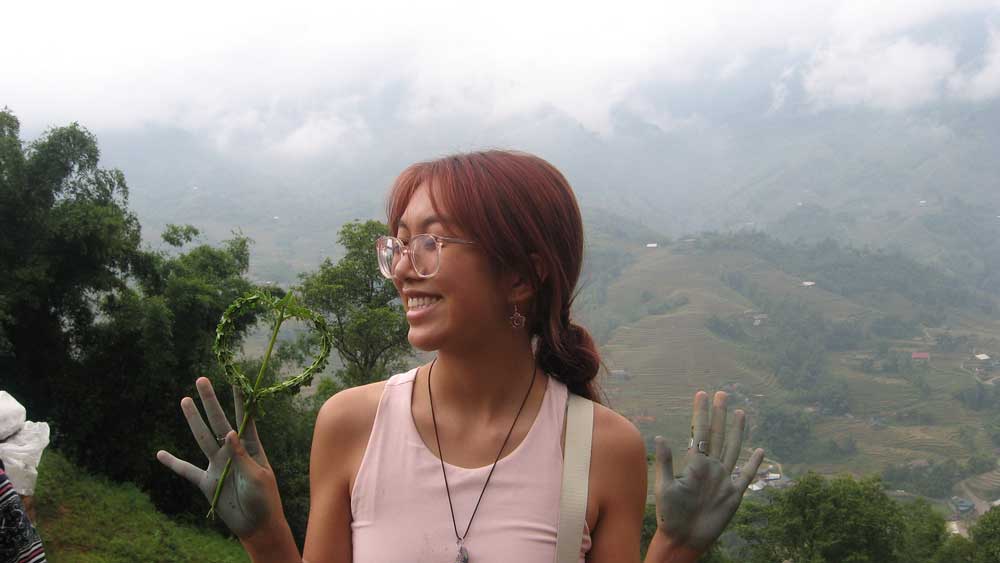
(250, 494)
(694, 508)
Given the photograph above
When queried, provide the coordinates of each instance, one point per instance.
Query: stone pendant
(463, 555)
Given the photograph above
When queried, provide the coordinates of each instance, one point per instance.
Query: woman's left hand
(693, 510)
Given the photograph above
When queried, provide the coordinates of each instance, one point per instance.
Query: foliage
(715, 554)
(831, 394)
(86, 518)
(985, 535)
(177, 236)
(105, 336)
(979, 397)
(956, 549)
(934, 479)
(924, 531)
(893, 326)
(366, 319)
(784, 431)
(67, 236)
(819, 521)
(855, 273)
(726, 328)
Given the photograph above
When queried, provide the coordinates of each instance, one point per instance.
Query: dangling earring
(517, 319)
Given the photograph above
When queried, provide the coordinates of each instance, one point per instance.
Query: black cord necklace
(463, 553)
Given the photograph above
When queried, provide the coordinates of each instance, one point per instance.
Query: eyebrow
(433, 219)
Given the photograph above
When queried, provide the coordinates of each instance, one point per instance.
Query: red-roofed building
(925, 356)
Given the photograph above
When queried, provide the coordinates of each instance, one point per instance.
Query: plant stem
(246, 413)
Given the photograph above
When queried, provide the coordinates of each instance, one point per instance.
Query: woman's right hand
(249, 501)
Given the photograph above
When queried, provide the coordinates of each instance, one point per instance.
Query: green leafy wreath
(226, 342)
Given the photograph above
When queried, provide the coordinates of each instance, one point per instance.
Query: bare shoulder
(616, 440)
(347, 415)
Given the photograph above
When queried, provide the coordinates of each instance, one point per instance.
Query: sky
(296, 80)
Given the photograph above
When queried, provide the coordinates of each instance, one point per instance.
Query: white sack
(22, 452)
(12, 416)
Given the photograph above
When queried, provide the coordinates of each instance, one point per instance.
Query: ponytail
(568, 352)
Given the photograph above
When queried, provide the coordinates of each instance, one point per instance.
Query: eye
(428, 243)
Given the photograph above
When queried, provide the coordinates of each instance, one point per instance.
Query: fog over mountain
(720, 118)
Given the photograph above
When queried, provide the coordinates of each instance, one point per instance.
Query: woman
(462, 457)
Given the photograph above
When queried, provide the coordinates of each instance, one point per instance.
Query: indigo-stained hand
(693, 509)
(250, 495)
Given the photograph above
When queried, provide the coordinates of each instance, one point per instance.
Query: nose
(403, 268)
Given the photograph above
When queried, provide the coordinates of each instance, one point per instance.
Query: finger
(699, 423)
(213, 410)
(181, 467)
(250, 439)
(735, 442)
(664, 463)
(250, 432)
(240, 456)
(749, 470)
(206, 440)
(717, 436)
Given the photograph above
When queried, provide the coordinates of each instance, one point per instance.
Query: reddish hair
(515, 205)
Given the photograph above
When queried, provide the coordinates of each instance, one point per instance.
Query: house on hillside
(981, 363)
(964, 506)
(921, 357)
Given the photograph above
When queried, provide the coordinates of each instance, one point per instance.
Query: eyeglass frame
(439, 241)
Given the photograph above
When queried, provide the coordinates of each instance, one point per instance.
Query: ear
(521, 289)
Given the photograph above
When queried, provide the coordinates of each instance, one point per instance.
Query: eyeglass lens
(423, 252)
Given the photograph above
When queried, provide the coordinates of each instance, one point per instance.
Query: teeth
(422, 302)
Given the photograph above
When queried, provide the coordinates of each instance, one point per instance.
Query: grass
(87, 519)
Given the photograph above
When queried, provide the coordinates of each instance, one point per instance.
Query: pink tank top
(400, 508)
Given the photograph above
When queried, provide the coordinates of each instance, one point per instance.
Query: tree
(986, 536)
(104, 337)
(367, 321)
(824, 521)
(67, 239)
(925, 532)
(956, 549)
(784, 431)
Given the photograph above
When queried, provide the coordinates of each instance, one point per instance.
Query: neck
(488, 381)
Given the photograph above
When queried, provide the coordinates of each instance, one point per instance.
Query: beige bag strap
(576, 478)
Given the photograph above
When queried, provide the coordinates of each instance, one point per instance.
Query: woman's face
(464, 301)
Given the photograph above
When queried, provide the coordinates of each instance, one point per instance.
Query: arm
(339, 442)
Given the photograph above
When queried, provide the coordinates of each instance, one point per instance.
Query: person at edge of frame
(19, 541)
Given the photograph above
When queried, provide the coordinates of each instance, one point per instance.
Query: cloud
(894, 75)
(249, 75)
(779, 90)
(985, 83)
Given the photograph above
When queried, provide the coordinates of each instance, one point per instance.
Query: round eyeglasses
(423, 250)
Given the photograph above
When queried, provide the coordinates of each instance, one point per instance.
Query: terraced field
(672, 355)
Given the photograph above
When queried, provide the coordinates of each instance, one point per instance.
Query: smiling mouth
(420, 303)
